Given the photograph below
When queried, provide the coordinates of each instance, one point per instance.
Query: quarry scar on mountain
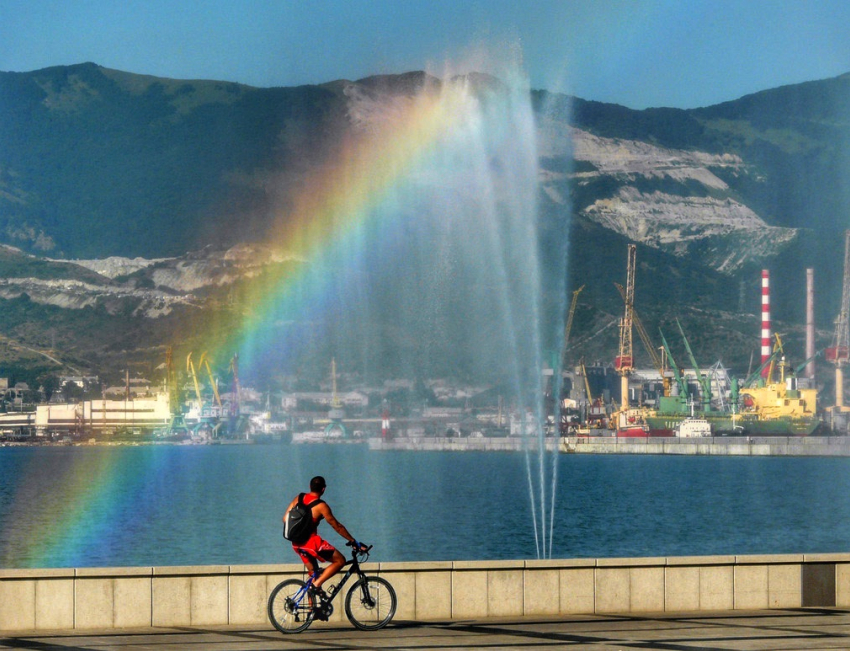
(668, 221)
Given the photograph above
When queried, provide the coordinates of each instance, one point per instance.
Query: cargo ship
(763, 407)
(775, 409)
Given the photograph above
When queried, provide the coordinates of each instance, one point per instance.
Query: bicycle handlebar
(360, 550)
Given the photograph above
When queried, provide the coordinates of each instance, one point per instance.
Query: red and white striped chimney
(765, 320)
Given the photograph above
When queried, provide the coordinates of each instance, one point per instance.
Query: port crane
(204, 363)
(778, 354)
(657, 360)
(553, 355)
(568, 328)
(678, 373)
(586, 381)
(190, 369)
(756, 377)
(595, 407)
(839, 352)
(703, 381)
(624, 362)
(171, 383)
(234, 369)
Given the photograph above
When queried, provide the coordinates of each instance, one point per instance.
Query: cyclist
(315, 549)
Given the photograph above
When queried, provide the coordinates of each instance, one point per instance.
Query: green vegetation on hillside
(98, 162)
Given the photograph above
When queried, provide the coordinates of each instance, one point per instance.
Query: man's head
(317, 484)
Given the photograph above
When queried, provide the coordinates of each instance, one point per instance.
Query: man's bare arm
(326, 513)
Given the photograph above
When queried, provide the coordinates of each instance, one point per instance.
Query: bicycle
(370, 603)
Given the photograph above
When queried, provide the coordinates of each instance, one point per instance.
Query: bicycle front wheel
(370, 604)
(291, 607)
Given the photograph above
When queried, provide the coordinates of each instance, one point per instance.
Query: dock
(464, 444)
(748, 446)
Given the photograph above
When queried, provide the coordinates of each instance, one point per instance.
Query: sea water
(196, 505)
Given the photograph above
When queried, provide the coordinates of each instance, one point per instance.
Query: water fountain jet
(426, 260)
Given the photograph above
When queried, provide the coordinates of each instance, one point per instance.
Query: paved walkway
(774, 630)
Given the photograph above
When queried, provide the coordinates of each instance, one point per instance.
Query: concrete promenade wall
(749, 446)
(123, 598)
(464, 444)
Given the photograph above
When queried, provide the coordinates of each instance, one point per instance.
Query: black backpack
(299, 522)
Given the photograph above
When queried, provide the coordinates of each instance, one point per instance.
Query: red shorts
(315, 549)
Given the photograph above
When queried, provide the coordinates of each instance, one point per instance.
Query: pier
(748, 446)
(463, 444)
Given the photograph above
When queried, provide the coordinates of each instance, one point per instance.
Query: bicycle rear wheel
(370, 604)
(291, 606)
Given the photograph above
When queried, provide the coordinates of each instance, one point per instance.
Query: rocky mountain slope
(709, 215)
(108, 179)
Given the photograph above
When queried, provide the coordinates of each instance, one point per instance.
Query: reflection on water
(124, 506)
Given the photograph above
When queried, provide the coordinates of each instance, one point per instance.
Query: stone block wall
(123, 598)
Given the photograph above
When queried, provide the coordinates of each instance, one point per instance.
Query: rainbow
(336, 219)
(83, 515)
(336, 213)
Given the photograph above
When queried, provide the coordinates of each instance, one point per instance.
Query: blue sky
(638, 53)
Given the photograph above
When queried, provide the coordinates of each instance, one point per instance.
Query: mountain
(108, 178)
(98, 162)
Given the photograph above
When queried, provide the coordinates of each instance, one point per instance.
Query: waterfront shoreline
(463, 444)
(828, 446)
(749, 446)
(795, 446)
(124, 443)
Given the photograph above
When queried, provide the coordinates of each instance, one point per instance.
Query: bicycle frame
(353, 565)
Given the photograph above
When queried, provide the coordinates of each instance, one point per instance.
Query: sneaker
(319, 593)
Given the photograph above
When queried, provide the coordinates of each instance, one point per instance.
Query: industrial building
(90, 417)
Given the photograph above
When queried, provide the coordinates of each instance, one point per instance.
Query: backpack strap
(311, 504)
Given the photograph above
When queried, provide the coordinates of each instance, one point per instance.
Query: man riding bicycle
(316, 549)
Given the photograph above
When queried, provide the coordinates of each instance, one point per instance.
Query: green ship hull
(738, 425)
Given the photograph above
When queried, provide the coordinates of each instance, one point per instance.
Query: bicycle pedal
(319, 594)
